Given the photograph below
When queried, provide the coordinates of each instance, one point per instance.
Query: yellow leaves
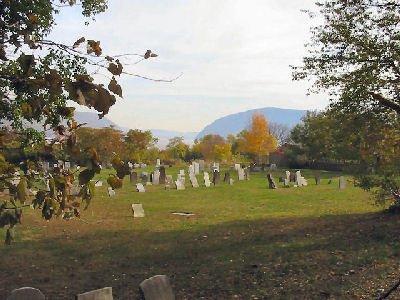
(34, 18)
(258, 139)
(114, 182)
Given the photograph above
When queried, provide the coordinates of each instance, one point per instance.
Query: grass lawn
(244, 242)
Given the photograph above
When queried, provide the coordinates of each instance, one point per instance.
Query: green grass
(244, 242)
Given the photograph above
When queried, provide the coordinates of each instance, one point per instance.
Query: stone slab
(137, 210)
(26, 293)
(157, 288)
(100, 294)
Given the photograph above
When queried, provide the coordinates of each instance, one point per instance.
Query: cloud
(226, 50)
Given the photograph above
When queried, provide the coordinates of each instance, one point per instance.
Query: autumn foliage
(258, 140)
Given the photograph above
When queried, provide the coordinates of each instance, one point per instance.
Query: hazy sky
(234, 56)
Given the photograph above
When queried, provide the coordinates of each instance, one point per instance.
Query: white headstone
(179, 185)
(158, 163)
(100, 294)
(157, 288)
(181, 178)
(182, 172)
(191, 169)
(168, 179)
(137, 210)
(288, 175)
(201, 164)
(215, 166)
(111, 192)
(130, 165)
(140, 188)
(298, 179)
(206, 177)
(342, 182)
(196, 167)
(231, 181)
(237, 167)
(241, 174)
(156, 177)
(193, 180)
(136, 166)
(98, 183)
(26, 293)
(273, 167)
(67, 165)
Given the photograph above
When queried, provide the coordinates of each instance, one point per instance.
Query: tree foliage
(37, 77)
(258, 140)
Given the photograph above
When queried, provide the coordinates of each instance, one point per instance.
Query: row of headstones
(300, 180)
(155, 288)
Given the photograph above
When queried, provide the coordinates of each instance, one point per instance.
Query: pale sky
(234, 56)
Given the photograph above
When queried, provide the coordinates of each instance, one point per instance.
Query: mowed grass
(244, 242)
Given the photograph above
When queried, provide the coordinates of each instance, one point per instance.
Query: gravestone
(26, 293)
(227, 177)
(67, 165)
(137, 210)
(231, 181)
(215, 166)
(179, 184)
(191, 169)
(342, 182)
(157, 288)
(143, 165)
(287, 175)
(46, 166)
(148, 183)
(292, 177)
(100, 294)
(206, 177)
(286, 183)
(111, 192)
(144, 177)
(162, 175)
(140, 187)
(98, 183)
(133, 178)
(156, 177)
(181, 178)
(158, 163)
(216, 178)
(130, 165)
(169, 179)
(182, 172)
(247, 174)
(241, 174)
(271, 181)
(136, 165)
(317, 180)
(193, 180)
(201, 165)
(196, 167)
(237, 167)
(273, 167)
(298, 178)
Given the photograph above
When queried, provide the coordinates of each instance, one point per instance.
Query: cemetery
(215, 235)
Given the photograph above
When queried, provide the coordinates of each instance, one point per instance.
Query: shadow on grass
(343, 257)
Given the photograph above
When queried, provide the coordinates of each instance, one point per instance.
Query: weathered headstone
(169, 179)
(144, 177)
(156, 177)
(273, 167)
(201, 165)
(140, 187)
(158, 163)
(193, 180)
(157, 288)
(342, 182)
(191, 169)
(182, 172)
(136, 165)
(287, 175)
(196, 168)
(26, 293)
(206, 177)
(215, 166)
(317, 180)
(241, 174)
(227, 176)
(286, 183)
(133, 178)
(67, 165)
(179, 184)
(247, 174)
(231, 181)
(216, 178)
(181, 178)
(130, 165)
(137, 210)
(100, 294)
(162, 175)
(298, 178)
(271, 181)
(111, 192)
(237, 167)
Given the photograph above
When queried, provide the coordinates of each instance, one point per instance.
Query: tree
(176, 148)
(279, 131)
(205, 145)
(34, 87)
(258, 141)
(138, 141)
(222, 152)
(354, 54)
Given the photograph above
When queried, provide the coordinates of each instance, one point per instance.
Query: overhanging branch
(386, 102)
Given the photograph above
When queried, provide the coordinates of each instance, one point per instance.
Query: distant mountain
(233, 124)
